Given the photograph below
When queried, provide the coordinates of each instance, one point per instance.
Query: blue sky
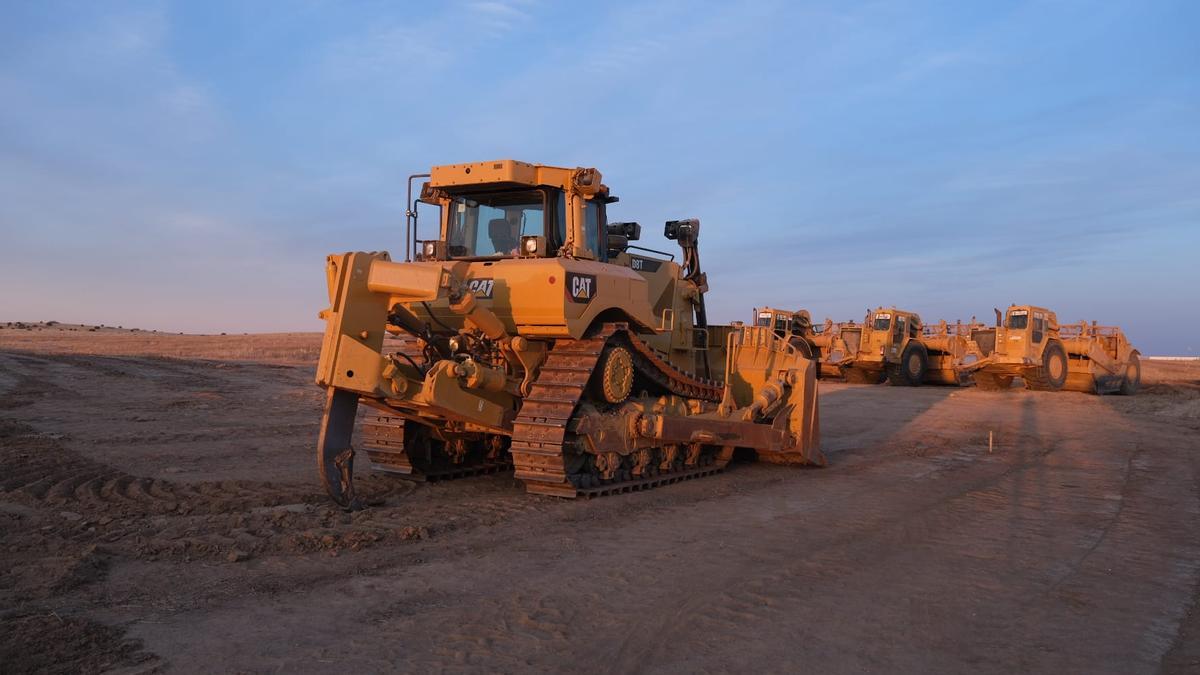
(187, 166)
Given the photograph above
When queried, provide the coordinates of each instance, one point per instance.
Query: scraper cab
(889, 348)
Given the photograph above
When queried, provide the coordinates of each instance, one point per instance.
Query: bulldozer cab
(510, 209)
(541, 233)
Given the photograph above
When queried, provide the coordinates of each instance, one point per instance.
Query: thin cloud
(498, 17)
(420, 48)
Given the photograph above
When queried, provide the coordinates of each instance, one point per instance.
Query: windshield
(882, 321)
(764, 320)
(1018, 319)
(493, 224)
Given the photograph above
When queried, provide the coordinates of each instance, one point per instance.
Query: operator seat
(500, 232)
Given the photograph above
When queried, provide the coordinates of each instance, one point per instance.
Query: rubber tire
(1055, 350)
(903, 374)
(1129, 387)
(803, 347)
(1041, 379)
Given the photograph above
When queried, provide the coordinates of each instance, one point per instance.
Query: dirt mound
(45, 472)
(49, 643)
(54, 575)
(76, 502)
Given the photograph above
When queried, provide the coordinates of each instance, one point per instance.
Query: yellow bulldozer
(1028, 342)
(531, 329)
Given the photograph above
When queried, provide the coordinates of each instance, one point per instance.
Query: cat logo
(482, 288)
(581, 287)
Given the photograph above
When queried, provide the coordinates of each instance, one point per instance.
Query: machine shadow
(856, 417)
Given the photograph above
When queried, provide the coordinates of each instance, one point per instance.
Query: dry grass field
(159, 511)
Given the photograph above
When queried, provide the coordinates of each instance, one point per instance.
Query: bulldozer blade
(335, 455)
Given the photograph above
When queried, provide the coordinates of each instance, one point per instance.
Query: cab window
(592, 224)
(560, 222)
(882, 322)
(898, 332)
(1018, 320)
(492, 224)
(1039, 328)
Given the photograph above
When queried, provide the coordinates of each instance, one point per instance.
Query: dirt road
(163, 513)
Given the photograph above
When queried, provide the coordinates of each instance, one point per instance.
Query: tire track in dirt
(727, 602)
(551, 614)
(150, 517)
(1012, 525)
(1067, 550)
(67, 518)
(733, 603)
(70, 644)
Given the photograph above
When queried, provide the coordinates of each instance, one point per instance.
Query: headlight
(429, 249)
(533, 245)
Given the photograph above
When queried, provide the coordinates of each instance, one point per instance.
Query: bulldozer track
(540, 442)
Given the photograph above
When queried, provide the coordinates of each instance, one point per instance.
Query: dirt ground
(159, 511)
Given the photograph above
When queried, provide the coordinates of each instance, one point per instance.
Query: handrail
(670, 256)
(410, 220)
